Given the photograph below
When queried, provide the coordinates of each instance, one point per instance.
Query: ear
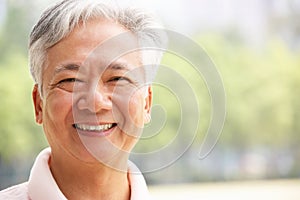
(148, 105)
(37, 101)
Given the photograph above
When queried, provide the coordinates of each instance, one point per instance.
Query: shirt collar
(41, 184)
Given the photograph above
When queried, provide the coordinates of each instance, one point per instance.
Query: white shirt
(42, 186)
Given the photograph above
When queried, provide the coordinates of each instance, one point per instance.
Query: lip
(95, 133)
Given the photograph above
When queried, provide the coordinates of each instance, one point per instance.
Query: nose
(95, 99)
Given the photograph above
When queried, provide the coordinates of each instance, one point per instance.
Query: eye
(68, 80)
(120, 79)
(68, 84)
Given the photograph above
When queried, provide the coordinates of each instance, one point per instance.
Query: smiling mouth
(95, 128)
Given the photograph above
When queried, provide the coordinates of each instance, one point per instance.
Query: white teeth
(84, 127)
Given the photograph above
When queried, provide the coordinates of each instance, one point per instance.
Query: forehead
(97, 41)
(100, 38)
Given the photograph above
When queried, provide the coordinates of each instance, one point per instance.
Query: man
(92, 96)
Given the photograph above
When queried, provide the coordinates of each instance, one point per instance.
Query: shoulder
(17, 192)
(139, 189)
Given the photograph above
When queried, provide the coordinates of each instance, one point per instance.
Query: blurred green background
(256, 48)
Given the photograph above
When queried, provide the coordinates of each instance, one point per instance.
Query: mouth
(95, 130)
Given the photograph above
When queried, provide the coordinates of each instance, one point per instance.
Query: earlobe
(37, 101)
(148, 105)
(147, 118)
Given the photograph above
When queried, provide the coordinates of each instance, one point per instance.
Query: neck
(89, 180)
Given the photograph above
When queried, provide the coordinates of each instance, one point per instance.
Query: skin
(79, 89)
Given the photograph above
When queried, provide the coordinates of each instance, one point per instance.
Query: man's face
(95, 101)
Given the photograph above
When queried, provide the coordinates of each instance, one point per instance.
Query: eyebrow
(123, 66)
(69, 67)
(116, 66)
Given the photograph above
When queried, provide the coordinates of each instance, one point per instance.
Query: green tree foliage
(16, 28)
(19, 133)
(261, 87)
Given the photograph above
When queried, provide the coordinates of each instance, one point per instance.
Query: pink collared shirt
(42, 186)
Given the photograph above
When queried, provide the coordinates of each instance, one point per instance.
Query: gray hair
(60, 19)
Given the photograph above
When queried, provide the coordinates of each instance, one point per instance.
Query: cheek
(136, 111)
(128, 112)
(130, 105)
(56, 113)
(57, 108)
